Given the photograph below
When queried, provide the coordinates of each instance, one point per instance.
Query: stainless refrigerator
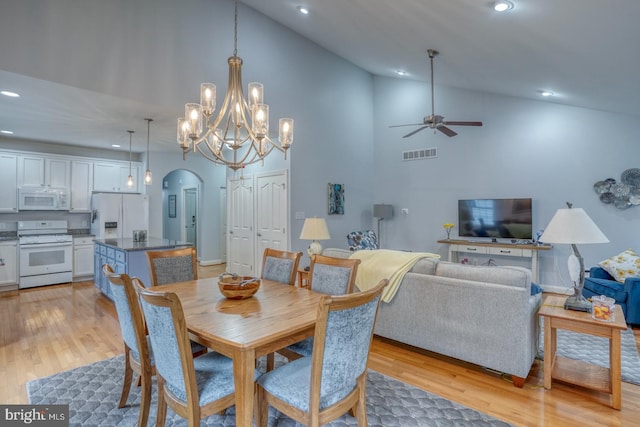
(116, 215)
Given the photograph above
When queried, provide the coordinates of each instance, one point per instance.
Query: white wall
(536, 149)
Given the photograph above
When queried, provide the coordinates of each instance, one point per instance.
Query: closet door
(240, 254)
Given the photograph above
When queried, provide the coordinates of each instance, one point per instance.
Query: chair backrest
(280, 266)
(130, 315)
(169, 341)
(171, 266)
(342, 340)
(362, 240)
(333, 276)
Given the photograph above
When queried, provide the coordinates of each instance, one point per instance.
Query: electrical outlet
(84, 223)
(3, 225)
(405, 211)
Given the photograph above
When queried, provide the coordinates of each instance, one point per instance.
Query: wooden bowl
(238, 287)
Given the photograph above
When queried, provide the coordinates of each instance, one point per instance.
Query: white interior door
(189, 216)
(273, 214)
(223, 224)
(240, 254)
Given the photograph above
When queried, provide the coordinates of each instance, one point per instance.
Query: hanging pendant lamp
(147, 174)
(130, 178)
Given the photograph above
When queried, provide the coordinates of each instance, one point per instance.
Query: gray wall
(549, 152)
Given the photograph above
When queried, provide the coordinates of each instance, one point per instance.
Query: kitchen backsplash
(76, 221)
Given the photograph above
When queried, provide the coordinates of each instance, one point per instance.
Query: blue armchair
(626, 294)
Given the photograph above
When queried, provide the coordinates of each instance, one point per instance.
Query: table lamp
(314, 229)
(572, 227)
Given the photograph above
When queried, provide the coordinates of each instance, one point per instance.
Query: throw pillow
(625, 264)
(535, 289)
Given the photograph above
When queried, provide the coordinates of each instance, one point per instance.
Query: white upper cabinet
(40, 171)
(9, 180)
(112, 177)
(81, 185)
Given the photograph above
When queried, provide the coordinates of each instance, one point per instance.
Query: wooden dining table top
(276, 316)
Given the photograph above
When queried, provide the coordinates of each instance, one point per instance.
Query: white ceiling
(585, 51)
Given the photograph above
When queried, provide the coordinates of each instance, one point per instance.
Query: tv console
(498, 249)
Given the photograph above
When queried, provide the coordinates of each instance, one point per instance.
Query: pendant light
(130, 178)
(147, 174)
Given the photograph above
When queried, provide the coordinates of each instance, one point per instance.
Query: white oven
(46, 253)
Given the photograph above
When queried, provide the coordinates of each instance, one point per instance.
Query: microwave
(43, 199)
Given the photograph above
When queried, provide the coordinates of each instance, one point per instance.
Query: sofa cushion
(610, 288)
(509, 276)
(625, 264)
(425, 266)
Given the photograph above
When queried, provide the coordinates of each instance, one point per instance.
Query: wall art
(336, 199)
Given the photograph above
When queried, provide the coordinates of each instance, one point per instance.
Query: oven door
(45, 258)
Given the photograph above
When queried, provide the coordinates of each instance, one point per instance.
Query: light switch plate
(299, 215)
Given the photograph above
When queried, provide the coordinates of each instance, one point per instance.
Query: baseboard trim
(211, 262)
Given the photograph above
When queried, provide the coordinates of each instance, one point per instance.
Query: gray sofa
(485, 315)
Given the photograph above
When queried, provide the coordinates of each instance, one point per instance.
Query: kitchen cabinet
(82, 257)
(40, 171)
(9, 180)
(8, 264)
(81, 185)
(112, 177)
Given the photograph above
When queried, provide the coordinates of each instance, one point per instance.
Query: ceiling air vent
(425, 153)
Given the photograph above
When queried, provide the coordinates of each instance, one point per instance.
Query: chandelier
(238, 135)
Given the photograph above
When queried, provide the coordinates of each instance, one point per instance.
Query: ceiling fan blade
(446, 131)
(462, 123)
(413, 124)
(415, 131)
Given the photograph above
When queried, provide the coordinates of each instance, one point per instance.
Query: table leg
(243, 369)
(549, 351)
(615, 369)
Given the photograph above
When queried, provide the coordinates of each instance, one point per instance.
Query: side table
(303, 278)
(576, 372)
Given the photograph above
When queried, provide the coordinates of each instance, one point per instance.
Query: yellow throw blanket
(385, 264)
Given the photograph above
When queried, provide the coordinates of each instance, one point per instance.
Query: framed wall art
(336, 199)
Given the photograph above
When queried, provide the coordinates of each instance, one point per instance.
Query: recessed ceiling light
(303, 10)
(6, 132)
(546, 93)
(9, 93)
(115, 145)
(502, 6)
(402, 73)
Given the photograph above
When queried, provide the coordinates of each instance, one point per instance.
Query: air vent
(425, 153)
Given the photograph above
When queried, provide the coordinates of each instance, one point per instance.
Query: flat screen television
(495, 218)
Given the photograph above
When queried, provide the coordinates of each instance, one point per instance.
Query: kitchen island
(127, 256)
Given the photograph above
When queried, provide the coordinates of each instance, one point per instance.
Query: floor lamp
(572, 227)
(382, 212)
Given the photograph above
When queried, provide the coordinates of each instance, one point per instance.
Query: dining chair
(194, 388)
(280, 266)
(317, 389)
(172, 265)
(328, 275)
(138, 357)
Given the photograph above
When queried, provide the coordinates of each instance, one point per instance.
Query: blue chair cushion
(609, 288)
(535, 289)
(304, 347)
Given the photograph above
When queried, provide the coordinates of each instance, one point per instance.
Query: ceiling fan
(434, 121)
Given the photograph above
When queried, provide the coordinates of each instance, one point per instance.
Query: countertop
(151, 243)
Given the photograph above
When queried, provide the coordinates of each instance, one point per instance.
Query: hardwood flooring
(55, 328)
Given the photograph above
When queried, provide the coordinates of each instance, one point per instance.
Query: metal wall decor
(623, 194)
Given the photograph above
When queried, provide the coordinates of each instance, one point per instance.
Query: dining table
(276, 316)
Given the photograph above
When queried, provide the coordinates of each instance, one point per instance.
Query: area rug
(93, 392)
(595, 350)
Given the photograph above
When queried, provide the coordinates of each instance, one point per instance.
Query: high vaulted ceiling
(585, 51)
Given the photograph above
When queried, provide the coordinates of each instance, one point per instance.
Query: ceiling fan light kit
(434, 121)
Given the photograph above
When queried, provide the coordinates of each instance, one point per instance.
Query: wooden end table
(303, 278)
(576, 372)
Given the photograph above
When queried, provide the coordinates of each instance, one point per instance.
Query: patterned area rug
(595, 350)
(93, 392)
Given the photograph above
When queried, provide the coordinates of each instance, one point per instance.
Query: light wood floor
(55, 328)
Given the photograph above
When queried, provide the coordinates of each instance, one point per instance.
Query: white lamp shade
(572, 226)
(314, 229)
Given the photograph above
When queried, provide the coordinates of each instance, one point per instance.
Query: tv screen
(495, 218)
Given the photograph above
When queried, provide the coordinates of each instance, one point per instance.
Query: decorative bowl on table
(233, 286)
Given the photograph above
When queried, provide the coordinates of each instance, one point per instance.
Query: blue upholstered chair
(362, 240)
(626, 294)
(172, 265)
(138, 358)
(280, 266)
(316, 389)
(194, 388)
(332, 276)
